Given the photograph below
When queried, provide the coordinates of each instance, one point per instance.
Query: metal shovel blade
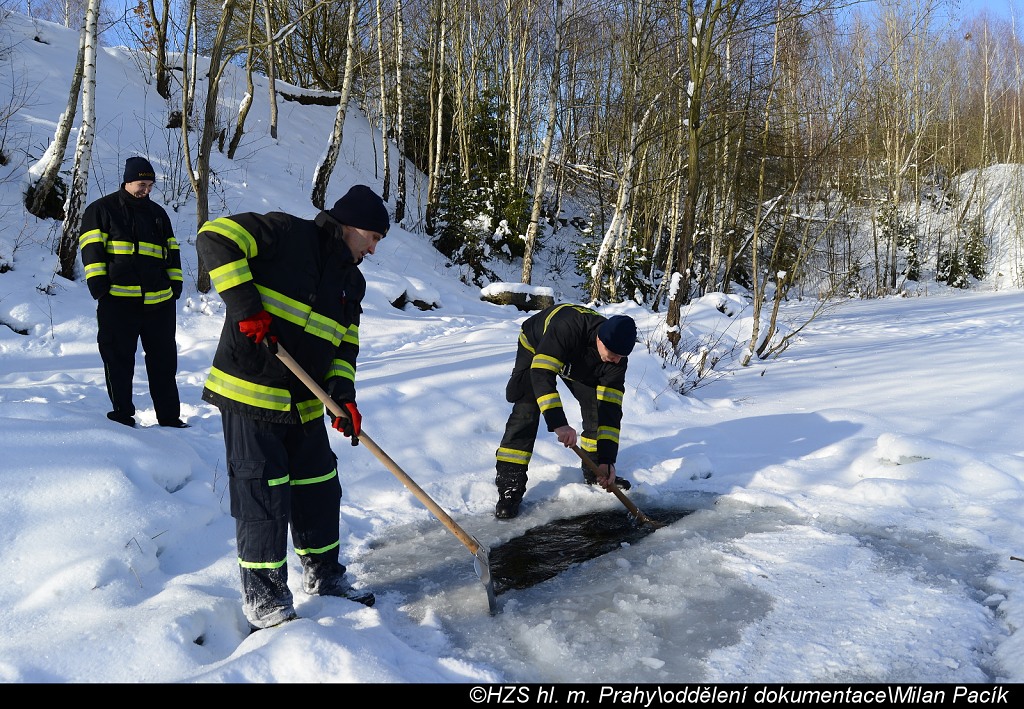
(482, 564)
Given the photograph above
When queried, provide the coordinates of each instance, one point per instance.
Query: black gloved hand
(350, 425)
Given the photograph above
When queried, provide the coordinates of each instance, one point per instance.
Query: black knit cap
(618, 333)
(362, 208)
(136, 169)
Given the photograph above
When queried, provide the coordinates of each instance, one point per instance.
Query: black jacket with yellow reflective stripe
(128, 249)
(563, 340)
(302, 273)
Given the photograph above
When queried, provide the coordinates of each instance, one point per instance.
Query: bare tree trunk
(610, 250)
(545, 156)
(516, 48)
(400, 195)
(437, 83)
(677, 181)
(463, 85)
(325, 169)
(68, 250)
(384, 109)
(433, 50)
(43, 187)
(271, 68)
(201, 173)
(246, 104)
(709, 25)
(159, 46)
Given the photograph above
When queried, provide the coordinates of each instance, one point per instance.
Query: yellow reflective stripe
(341, 368)
(294, 311)
(91, 237)
(158, 296)
(327, 328)
(96, 269)
(174, 274)
(310, 410)
(526, 343)
(154, 250)
(236, 389)
(588, 444)
(611, 395)
(261, 564)
(275, 482)
(230, 275)
(546, 362)
(352, 335)
(172, 244)
(235, 233)
(281, 306)
(607, 433)
(511, 455)
(321, 550)
(126, 291)
(549, 401)
(314, 481)
(120, 248)
(547, 320)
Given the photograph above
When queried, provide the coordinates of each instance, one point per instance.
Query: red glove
(256, 327)
(352, 425)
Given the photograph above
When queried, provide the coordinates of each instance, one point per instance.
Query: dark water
(545, 551)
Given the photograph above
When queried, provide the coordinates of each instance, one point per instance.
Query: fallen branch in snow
(1016, 558)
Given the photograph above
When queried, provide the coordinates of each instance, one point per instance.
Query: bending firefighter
(588, 352)
(297, 282)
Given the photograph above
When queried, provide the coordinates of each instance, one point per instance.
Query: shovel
(639, 516)
(481, 563)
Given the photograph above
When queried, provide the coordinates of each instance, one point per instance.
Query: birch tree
(438, 22)
(43, 189)
(545, 154)
(67, 251)
(322, 175)
(400, 194)
(384, 108)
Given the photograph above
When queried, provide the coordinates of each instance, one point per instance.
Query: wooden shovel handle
(472, 544)
(633, 509)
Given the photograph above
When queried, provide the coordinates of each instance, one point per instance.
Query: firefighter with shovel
(297, 282)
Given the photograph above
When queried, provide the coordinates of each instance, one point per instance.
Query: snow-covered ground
(857, 502)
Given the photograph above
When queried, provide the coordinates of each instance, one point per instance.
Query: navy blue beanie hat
(362, 208)
(136, 169)
(618, 333)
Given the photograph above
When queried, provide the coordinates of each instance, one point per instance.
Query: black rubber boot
(327, 578)
(510, 480)
(266, 600)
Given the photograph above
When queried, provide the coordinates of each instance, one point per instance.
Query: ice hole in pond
(543, 552)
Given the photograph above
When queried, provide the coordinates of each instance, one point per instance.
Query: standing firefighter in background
(588, 353)
(133, 270)
(297, 282)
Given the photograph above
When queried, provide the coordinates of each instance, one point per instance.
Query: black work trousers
(280, 475)
(123, 323)
(523, 423)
